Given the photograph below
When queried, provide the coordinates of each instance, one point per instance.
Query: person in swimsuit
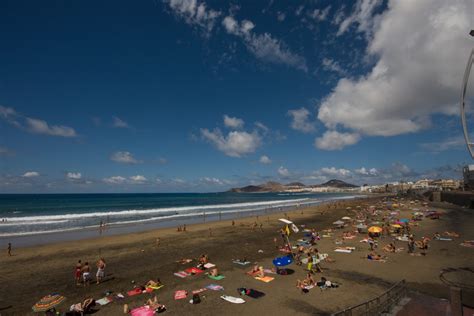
(100, 270)
(86, 273)
(78, 272)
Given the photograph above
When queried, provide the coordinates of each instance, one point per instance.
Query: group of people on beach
(82, 272)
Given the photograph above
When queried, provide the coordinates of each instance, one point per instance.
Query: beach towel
(209, 265)
(467, 244)
(178, 295)
(343, 250)
(350, 237)
(199, 291)
(265, 279)
(135, 291)
(242, 263)
(193, 270)
(217, 277)
(444, 239)
(104, 301)
(215, 287)
(142, 311)
(181, 274)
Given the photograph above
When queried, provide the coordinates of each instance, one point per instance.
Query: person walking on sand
(86, 273)
(9, 249)
(100, 270)
(78, 272)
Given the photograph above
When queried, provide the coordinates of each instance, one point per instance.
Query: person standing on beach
(100, 270)
(78, 272)
(9, 249)
(86, 273)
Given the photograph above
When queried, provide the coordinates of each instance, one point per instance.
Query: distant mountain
(295, 184)
(334, 183)
(266, 187)
(278, 187)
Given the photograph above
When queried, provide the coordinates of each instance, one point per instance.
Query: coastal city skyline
(203, 96)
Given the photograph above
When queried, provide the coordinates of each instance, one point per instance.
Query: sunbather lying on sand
(214, 272)
(257, 271)
(390, 248)
(153, 283)
(154, 305)
(375, 257)
(452, 234)
(308, 281)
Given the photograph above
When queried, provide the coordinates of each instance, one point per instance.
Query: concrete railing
(381, 304)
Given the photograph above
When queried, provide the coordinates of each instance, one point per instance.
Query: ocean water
(34, 214)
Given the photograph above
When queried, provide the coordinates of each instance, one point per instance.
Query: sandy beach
(34, 272)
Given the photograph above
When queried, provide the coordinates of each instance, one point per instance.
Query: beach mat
(193, 270)
(242, 263)
(179, 295)
(217, 277)
(265, 279)
(104, 301)
(199, 290)
(215, 287)
(135, 291)
(152, 288)
(209, 265)
(343, 250)
(181, 274)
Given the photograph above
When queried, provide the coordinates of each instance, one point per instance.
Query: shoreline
(86, 233)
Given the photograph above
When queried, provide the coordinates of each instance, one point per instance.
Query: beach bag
(196, 299)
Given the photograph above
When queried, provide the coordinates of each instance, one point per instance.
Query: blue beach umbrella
(283, 261)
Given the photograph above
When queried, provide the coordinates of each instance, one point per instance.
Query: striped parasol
(48, 302)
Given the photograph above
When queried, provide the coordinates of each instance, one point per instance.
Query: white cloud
(213, 181)
(163, 161)
(334, 172)
(124, 157)
(265, 160)
(334, 140)
(262, 126)
(74, 175)
(263, 46)
(233, 122)
(138, 179)
(366, 172)
(282, 171)
(34, 125)
(235, 144)
(114, 180)
(31, 174)
(120, 123)
(419, 46)
(445, 144)
(362, 15)
(300, 120)
(194, 13)
(320, 15)
(332, 65)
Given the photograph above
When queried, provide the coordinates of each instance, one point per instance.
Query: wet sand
(37, 271)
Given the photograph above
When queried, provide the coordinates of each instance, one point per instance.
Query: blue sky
(188, 95)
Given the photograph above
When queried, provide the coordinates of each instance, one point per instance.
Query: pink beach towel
(178, 295)
(193, 270)
(181, 274)
(142, 311)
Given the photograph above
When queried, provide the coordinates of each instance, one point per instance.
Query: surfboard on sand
(235, 300)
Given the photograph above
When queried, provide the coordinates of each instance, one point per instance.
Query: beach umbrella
(338, 223)
(404, 220)
(397, 225)
(346, 218)
(282, 261)
(375, 229)
(48, 302)
(142, 311)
